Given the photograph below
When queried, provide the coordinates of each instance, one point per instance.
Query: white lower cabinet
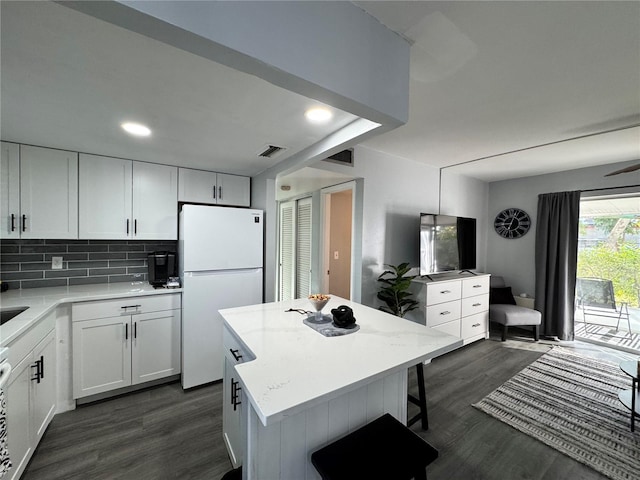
(124, 342)
(232, 409)
(31, 392)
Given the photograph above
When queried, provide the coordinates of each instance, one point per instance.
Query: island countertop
(296, 367)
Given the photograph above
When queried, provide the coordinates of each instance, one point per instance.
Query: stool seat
(382, 449)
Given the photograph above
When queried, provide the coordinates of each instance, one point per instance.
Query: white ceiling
(69, 80)
(488, 78)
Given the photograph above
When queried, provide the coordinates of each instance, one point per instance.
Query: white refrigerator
(220, 260)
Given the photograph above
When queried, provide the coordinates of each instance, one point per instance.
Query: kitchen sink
(7, 314)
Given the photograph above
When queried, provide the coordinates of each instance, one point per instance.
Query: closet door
(303, 248)
(295, 249)
(286, 271)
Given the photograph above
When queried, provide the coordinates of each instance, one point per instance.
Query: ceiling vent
(271, 151)
(345, 157)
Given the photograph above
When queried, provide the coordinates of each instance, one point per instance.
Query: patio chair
(594, 296)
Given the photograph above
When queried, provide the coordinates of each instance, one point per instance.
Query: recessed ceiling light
(318, 115)
(136, 129)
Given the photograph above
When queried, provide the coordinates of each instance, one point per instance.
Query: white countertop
(43, 300)
(296, 367)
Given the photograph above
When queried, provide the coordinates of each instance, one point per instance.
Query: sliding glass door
(608, 277)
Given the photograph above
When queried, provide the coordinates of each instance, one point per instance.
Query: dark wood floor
(163, 433)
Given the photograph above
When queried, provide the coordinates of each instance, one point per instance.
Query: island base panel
(283, 450)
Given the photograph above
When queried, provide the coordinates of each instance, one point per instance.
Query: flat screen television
(447, 243)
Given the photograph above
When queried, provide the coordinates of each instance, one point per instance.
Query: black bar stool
(421, 401)
(384, 450)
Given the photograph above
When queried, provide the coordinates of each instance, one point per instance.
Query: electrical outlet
(56, 263)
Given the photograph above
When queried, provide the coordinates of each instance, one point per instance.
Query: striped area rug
(570, 402)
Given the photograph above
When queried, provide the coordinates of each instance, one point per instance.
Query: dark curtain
(556, 259)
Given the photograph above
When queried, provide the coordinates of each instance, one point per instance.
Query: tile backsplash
(27, 263)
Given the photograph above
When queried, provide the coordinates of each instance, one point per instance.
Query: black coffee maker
(162, 265)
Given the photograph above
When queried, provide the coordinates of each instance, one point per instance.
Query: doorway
(337, 241)
(608, 272)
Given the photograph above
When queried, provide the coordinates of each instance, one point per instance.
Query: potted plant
(395, 290)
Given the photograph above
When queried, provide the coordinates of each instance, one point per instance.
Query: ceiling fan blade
(632, 168)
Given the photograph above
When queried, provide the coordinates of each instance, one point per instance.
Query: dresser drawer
(443, 292)
(474, 325)
(473, 305)
(124, 306)
(442, 313)
(475, 286)
(452, 328)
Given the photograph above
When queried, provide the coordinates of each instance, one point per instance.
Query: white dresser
(457, 304)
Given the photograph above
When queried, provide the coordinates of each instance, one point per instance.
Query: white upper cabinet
(155, 205)
(105, 198)
(234, 190)
(10, 191)
(200, 186)
(39, 192)
(123, 199)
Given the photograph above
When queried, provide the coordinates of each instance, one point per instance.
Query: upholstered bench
(382, 449)
(503, 310)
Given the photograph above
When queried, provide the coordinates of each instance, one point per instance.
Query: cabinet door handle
(446, 312)
(24, 223)
(220, 192)
(127, 226)
(13, 222)
(135, 329)
(38, 376)
(445, 291)
(214, 192)
(236, 354)
(41, 366)
(477, 286)
(235, 389)
(126, 331)
(135, 227)
(475, 325)
(476, 304)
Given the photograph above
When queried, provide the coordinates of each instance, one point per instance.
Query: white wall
(515, 259)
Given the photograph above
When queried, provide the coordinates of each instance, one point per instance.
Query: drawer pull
(476, 325)
(446, 312)
(236, 354)
(131, 306)
(477, 286)
(445, 291)
(476, 304)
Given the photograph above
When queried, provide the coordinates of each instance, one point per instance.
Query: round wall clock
(512, 223)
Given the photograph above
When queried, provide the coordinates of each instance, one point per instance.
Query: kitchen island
(289, 390)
